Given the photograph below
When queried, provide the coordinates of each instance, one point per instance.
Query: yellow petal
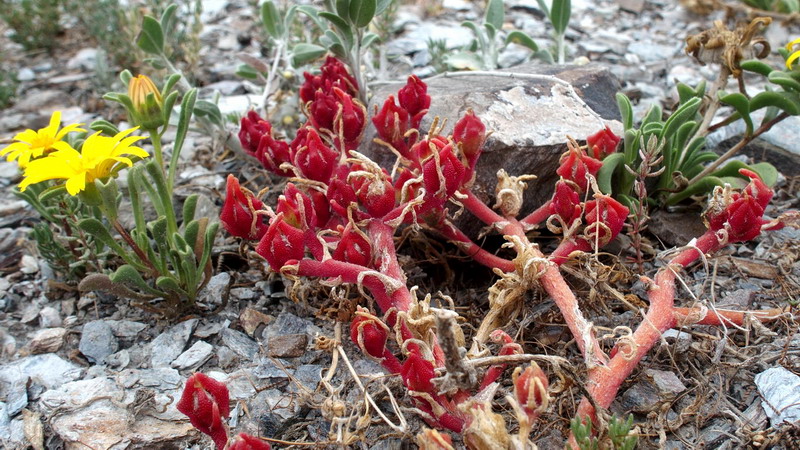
(790, 45)
(791, 59)
(76, 184)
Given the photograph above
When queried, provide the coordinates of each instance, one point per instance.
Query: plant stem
(560, 47)
(276, 58)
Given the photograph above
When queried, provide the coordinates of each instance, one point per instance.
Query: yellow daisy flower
(33, 144)
(795, 55)
(98, 156)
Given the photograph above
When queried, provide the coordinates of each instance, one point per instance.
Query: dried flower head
(729, 47)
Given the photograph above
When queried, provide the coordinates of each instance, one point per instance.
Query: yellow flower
(98, 156)
(33, 144)
(794, 56)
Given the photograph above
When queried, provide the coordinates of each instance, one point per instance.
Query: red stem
(604, 381)
(475, 251)
(720, 317)
(539, 215)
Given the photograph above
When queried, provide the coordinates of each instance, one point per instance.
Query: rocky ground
(83, 370)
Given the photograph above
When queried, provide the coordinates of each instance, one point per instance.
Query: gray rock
(667, 383)
(267, 369)
(49, 317)
(214, 290)
(43, 102)
(97, 341)
(239, 343)
(308, 375)
(649, 51)
(288, 323)
(226, 357)
(126, 329)
(642, 397)
(529, 120)
(47, 340)
(161, 378)
(85, 59)
(115, 424)
(780, 390)
(194, 357)
(169, 344)
(26, 74)
(224, 87)
(287, 345)
(47, 370)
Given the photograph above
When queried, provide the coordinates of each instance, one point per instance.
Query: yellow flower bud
(147, 102)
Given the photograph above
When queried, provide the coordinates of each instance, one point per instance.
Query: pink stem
(721, 317)
(604, 381)
(474, 250)
(539, 215)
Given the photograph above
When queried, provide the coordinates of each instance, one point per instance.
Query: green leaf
(271, 20)
(559, 15)
(246, 71)
(205, 108)
(685, 92)
(168, 19)
(125, 76)
(343, 8)
(767, 172)
(189, 207)
(543, 7)
(606, 172)
(99, 231)
(169, 83)
(685, 113)
(705, 184)
(185, 117)
(520, 38)
(104, 127)
(784, 80)
(52, 192)
(170, 284)
(382, 5)
(625, 110)
(169, 102)
(653, 115)
(491, 31)
(464, 61)
(478, 34)
(304, 53)
(786, 101)
(756, 66)
(495, 13)
(151, 38)
(742, 106)
(311, 12)
(369, 39)
(362, 12)
(129, 276)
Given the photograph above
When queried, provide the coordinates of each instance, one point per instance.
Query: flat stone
(169, 344)
(634, 6)
(162, 378)
(47, 370)
(214, 290)
(126, 329)
(529, 120)
(642, 397)
(95, 413)
(676, 228)
(667, 383)
(287, 345)
(47, 340)
(780, 390)
(250, 319)
(239, 343)
(43, 102)
(97, 341)
(288, 323)
(194, 357)
(85, 59)
(49, 317)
